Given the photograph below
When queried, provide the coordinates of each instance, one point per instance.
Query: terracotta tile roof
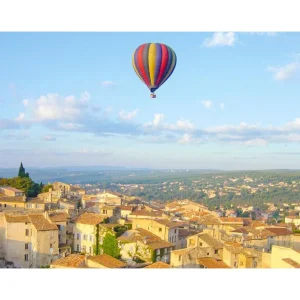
(212, 263)
(153, 241)
(70, 261)
(292, 262)
(279, 231)
(183, 233)
(146, 237)
(209, 220)
(41, 224)
(107, 261)
(16, 199)
(168, 223)
(257, 223)
(210, 241)
(158, 265)
(59, 217)
(125, 207)
(35, 200)
(146, 213)
(17, 219)
(182, 251)
(108, 207)
(89, 219)
(9, 188)
(231, 220)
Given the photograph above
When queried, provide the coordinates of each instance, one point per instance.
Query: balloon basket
(152, 96)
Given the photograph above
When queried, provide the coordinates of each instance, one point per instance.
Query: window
(157, 252)
(91, 238)
(159, 229)
(4, 205)
(26, 257)
(26, 246)
(85, 237)
(200, 244)
(50, 245)
(207, 253)
(216, 251)
(175, 231)
(91, 250)
(27, 232)
(78, 249)
(84, 249)
(78, 236)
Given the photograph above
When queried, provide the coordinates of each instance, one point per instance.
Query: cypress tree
(21, 171)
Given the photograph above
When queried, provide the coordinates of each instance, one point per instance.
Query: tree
(110, 245)
(22, 171)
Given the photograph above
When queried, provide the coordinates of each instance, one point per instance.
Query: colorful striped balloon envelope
(154, 63)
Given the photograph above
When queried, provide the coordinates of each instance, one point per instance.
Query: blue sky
(74, 99)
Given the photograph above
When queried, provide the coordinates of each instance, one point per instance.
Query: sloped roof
(71, 261)
(89, 219)
(212, 263)
(158, 265)
(107, 261)
(41, 223)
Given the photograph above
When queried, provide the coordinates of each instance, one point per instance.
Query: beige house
(65, 235)
(62, 188)
(125, 210)
(165, 229)
(11, 192)
(293, 220)
(281, 257)
(30, 240)
(145, 214)
(35, 203)
(84, 230)
(7, 202)
(187, 257)
(142, 244)
(204, 240)
(235, 256)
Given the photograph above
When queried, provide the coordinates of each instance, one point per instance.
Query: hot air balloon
(154, 63)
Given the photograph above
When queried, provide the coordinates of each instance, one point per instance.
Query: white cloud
(56, 107)
(21, 117)
(222, 105)
(108, 83)
(221, 39)
(184, 124)
(49, 138)
(207, 104)
(286, 72)
(256, 142)
(70, 126)
(127, 116)
(25, 102)
(85, 97)
(157, 121)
